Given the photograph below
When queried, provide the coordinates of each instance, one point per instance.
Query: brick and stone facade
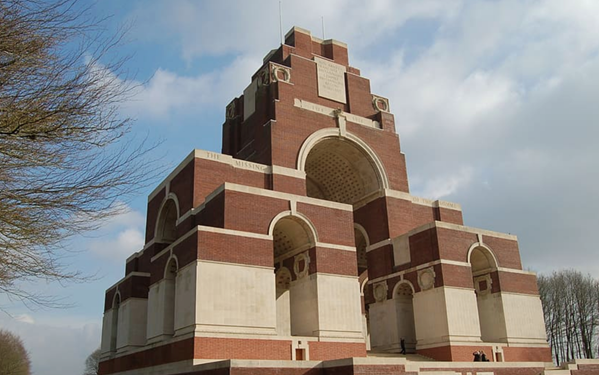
(301, 241)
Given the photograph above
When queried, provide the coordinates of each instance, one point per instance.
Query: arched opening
(404, 307)
(365, 318)
(114, 331)
(361, 240)
(166, 228)
(292, 239)
(170, 292)
(340, 170)
(482, 263)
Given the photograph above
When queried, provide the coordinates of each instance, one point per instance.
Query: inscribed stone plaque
(331, 80)
(249, 99)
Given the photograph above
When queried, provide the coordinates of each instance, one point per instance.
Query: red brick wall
(152, 215)
(234, 249)
(213, 213)
(320, 350)
(209, 175)
(288, 184)
(182, 186)
(132, 287)
(359, 96)
(455, 353)
(229, 348)
(450, 216)
(250, 212)
(464, 353)
(160, 355)
(386, 146)
(380, 261)
(333, 261)
(373, 217)
(333, 225)
(506, 251)
(454, 245)
(424, 247)
(457, 276)
(421, 215)
(518, 283)
(516, 354)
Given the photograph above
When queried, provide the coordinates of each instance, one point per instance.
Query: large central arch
(340, 168)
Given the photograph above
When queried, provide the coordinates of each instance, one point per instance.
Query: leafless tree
(571, 309)
(92, 362)
(14, 359)
(66, 155)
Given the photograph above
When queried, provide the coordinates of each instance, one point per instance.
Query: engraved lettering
(212, 155)
(331, 80)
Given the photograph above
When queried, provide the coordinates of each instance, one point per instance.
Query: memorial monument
(300, 246)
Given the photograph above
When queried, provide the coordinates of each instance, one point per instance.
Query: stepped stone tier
(300, 247)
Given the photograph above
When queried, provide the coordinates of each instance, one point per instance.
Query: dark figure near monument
(402, 342)
(483, 356)
(477, 356)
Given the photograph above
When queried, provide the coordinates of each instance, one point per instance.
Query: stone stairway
(564, 369)
(409, 357)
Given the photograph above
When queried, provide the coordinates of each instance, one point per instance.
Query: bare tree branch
(65, 152)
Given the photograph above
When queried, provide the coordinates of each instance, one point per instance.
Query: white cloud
(119, 237)
(445, 185)
(25, 318)
(168, 94)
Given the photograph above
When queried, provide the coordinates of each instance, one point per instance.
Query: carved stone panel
(379, 290)
(426, 278)
(301, 265)
(331, 80)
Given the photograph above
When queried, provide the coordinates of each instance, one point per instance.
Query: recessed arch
(483, 264)
(166, 222)
(340, 168)
(114, 329)
(401, 285)
(116, 300)
(403, 295)
(362, 242)
(481, 258)
(301, 219)
(293, 237)
(171, 271)
(172, 266)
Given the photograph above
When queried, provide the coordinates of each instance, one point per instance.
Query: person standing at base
(476, 355)
(402, 343)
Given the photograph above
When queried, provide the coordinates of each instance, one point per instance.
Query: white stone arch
(114, 298)
(489, 254)
(172, 258)
(298, 216)
(363, 285)
(169, 302)
(364, 233)
(332, 133)
(399, 284)
(114, 324)
(361, 251)
(158, 227)
(490, 316)
(405, 316)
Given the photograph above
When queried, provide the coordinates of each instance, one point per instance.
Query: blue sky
(495, 104)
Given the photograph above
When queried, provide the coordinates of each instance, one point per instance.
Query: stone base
(370, 365)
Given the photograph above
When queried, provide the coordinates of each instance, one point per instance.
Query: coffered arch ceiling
(339, 170)
(291, 234)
